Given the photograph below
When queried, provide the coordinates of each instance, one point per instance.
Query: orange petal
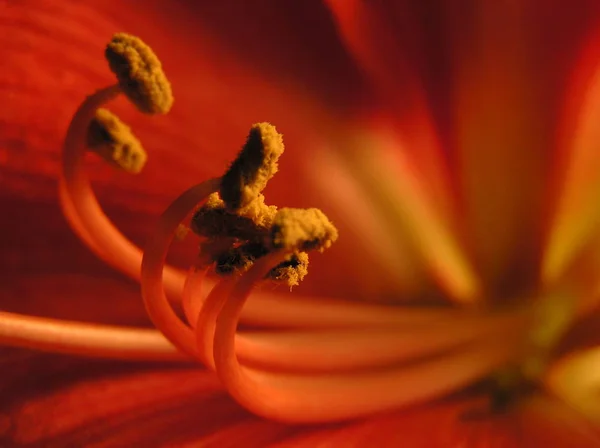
(576, 216)
(73, 402)
(400, 194)
(77, 402)
(498, 143)
(462, 421)
(575, 379)
(507, 86)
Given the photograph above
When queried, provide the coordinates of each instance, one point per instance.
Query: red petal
(391, 42)
(507, 90)
(56, 401)
(547, 422)
(573, 227)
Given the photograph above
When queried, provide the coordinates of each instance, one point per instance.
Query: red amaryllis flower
(452, 143)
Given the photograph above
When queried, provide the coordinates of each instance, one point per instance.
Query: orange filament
(192, 292)
(329, 397)
(75, 338)
(81, 207)
(409, 333)
(207, 318)
(339, 350)
(157, 305)
(266, 310)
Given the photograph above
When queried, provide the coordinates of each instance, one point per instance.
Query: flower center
(551, 319)
(315, 359)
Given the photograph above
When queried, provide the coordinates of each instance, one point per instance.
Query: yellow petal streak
(498, 147)
(400, 194)
(393, 268)
(577, 214)
(576, 379)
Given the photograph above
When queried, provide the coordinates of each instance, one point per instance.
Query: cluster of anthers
(307, 359)
(243, 240)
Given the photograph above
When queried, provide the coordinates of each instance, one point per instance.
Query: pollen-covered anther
(302, 229)
(213, 220)
(292, 271)
(254, 167)
(113, 140)
(140, 73)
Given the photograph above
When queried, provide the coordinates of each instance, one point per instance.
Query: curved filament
(81, 208)
(157, 305)
(191, 296)
(76, 338)
(207, 317)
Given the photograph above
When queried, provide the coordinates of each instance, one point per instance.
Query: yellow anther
(140, 73)
(292, 271)
(212, 220)
(238, 227)
(113, 140)
(258, 212)
(303, 229)
(254, 166)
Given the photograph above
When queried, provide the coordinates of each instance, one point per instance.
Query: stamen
(80, 205)
(112, 140)
(157, 305)
(140, 74)
(211, 306)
